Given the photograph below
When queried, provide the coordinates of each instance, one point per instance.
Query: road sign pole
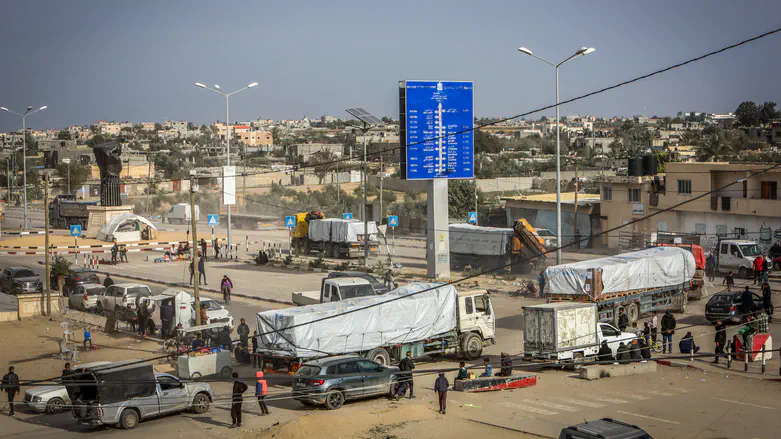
(195, 274)
(437, 235)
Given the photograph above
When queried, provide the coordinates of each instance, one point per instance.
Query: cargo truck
(421, 318)
(519, 248)
(639, 282)
(65, 211)
(333, 237)
(698, 280)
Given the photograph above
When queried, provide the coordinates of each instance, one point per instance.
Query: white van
(181, 214)
(737, 255)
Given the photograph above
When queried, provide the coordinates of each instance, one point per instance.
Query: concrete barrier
(34, 304)
(597, 371)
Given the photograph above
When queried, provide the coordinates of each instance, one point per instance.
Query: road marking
(589, 404)
(747, 404)
(649, 417)
(637, 397)
(611, 400)
(656, 392)
(530, 409)
(552, 405)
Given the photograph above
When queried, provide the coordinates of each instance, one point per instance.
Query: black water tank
(635, 167)
(649, 164)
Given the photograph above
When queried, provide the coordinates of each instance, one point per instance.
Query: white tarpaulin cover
(650, 268)
(339, 230)
(477, 240)
(405, 320)
(126, 227)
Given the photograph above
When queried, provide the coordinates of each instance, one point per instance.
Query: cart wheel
(226, 372)
(195, 375)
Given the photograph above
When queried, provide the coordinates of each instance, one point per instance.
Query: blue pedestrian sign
(76, 230)
(347, 216)
(393, 221)
(472, 218)
(290, 221)
(437, 139)
(214, 220)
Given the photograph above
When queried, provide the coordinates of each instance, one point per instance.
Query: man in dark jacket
(720, 339)
(507, 365)
(11, 387)
(668, 329)
(243, 331)
(225, 337)
(203, 249)
(622, 354)
(747, 302)
(238, 390)
(108, 281)
(686, 345)
(645, 350)
(767, 301)
(440, 386)
(634, 350)
(202, 271)
(605, 353)
(623, 320)
(406, 366)
(167, 319)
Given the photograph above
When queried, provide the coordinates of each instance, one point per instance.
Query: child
(261, 390)
(729, 280)
(87, 338)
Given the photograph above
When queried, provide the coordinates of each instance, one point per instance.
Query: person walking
(202, 271)
(108, 281)
(192, 271)
(114, 252)
(623, 319)
(710, 267)
(123, 254)
(203, 249)
(440, 387)
(238, 390)
(654, 326)
(729, 281)
(406, 366)
(216, 247)
(541, 282)
(243, 332)
(720, 339)
(167, 318)
(747, 306)
(226, 286)
(11, 387)
(261, 390)
(668, 329)
(759, 263)
(767, 301)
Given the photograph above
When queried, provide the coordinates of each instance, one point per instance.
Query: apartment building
(255, 138)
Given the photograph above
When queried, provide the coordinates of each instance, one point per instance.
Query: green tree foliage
(715, 147)
(64, 135)
(461, 198)
(487, 143)
(747, 114)
(322, 163)
(78, 175)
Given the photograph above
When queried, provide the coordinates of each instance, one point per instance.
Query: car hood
(27, 279)
(218, 314)
(50, 390)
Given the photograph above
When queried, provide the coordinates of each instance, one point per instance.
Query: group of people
(116, 250)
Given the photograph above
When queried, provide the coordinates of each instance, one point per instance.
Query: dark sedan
(331, 381)
(77, 277)
(16, 280)
(726, 306)
(379, 287)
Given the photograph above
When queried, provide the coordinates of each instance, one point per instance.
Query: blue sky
(90, 60)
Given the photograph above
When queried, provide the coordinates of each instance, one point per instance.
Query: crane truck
(519, 248)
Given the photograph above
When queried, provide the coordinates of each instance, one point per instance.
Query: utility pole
(382, 178)
(8, 181)
(365, 212)
(196, 274)
(48, 259)
(575, 220)
(477, 215)
(148, 182)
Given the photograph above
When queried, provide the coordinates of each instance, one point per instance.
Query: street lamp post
(219, 91)
(581, 52)
(24, 151)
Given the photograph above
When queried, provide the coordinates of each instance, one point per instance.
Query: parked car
(15, 280)
(214, 311)
(117, 297)
(604, 428)
(551, 241)
(379, 286)
(725, 306)
(85, 297)
(331, 381)
(52, 399)
(78, 276)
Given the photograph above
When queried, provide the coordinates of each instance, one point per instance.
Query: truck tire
(633, 312)
(201, 403)
(334, 400)
(379, 356)
(335, 252)
(471, 346)
(743, 273)
(129, 419)
(306, 246)
(328, 250)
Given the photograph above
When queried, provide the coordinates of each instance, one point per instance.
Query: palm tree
(713, 148)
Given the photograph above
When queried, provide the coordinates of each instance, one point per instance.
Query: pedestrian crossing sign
(214, 220)
(347, 216)
(290, 221)
(393, 220)
(472, 218)
(76, 230)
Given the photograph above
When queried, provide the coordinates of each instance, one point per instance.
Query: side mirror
(222, 306)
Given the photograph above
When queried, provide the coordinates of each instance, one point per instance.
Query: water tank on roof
(650, 163)
(635, 167)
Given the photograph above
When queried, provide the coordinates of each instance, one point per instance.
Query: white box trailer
(337, 237)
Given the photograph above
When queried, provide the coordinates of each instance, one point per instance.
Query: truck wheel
(379, 356)
(129, 419)
(306, 247)
(200, 403)
(743, 273)
(578, 358)
(54, 406)
(336, 252)
(471, 346)
(226, 372)
(633, 312)
(334, 400)
(328, 250)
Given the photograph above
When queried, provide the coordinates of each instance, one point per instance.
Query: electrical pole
(477, 215)
(69, 177)
(196, 274)
(148, 182)
(365, 212)
(575, 220)
(382, 178)
(8, 181)
(48, 259)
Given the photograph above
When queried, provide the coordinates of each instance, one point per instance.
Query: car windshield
(211, 305)
(750, 249)
(544, 232)
(24, 273)
(138, 291)
(307, 371)
(94, 291)
(351, 291)
(720, 299)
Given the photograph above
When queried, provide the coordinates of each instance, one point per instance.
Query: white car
(85, 297)
(52, 399)
(215, 312)
(119, 296)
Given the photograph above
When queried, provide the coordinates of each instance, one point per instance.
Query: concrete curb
(679, 364)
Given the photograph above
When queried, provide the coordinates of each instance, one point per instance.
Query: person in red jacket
(261, 390)
(759, 264)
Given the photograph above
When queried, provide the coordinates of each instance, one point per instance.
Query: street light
(581, 52)
(24, 151)
(219, 91)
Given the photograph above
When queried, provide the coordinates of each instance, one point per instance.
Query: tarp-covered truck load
(410, 319)
(339, 230)
(518, 249)
(476, 240)
(645, 269)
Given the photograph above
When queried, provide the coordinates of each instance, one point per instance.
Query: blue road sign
(76, 230)
(214, 220)
(393, 220)
(347, 216)
(290, 221)
(437, 110)
(472, 218)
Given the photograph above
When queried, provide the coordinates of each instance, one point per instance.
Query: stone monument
(107, 156)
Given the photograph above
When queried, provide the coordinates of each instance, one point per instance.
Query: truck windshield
(352, 291)
(750, 249)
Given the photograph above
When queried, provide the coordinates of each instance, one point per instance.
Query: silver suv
(117, 297)
(332, 381)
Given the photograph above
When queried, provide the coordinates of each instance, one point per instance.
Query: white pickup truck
(334, 290)
(567, 332)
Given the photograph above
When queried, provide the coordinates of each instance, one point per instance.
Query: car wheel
(334, 400)
(200, 403)
(129, 419)
(100, 310)
(393, 389)
(54, 406)
(226, 372)
(379, 356)
(195, 375)
(472, 346)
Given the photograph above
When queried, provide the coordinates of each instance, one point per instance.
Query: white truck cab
(182, 214)
(335, 290)
(737, 255)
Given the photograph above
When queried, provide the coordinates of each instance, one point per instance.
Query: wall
(31, 305)
(505, 184)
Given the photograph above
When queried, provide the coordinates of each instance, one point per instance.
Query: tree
(748, 114)
(636, 140)
(487, 143)
(64, 135)
(714, 148)
(767, 112)
(322, 163)
(78, 175)
(461, 198)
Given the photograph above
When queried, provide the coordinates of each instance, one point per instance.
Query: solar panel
(364, 116)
